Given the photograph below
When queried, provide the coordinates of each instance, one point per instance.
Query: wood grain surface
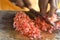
(7, 32)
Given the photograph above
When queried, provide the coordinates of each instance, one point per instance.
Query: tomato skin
(26, 26)
(42, 25)
(32, 28)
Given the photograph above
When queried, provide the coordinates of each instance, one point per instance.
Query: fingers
(52, 8)
(27, 3)
(23, 3)
(43, 6)
(20, 3)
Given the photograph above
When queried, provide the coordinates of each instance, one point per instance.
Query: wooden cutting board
(7, 32)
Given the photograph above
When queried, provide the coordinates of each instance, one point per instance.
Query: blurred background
(8, 5)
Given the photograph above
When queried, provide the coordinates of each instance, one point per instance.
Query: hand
(23, 3)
